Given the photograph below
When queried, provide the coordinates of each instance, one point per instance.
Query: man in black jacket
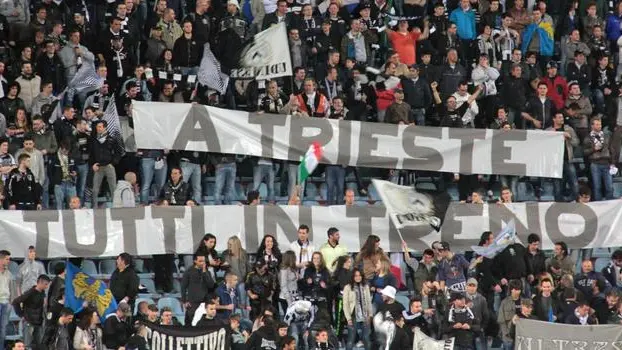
(103, 156)
(30, 307)
(57, 333)
(534, 259)
(461, 323)
(22, 191)
(417, 94)
(196, 286)
(124, 281)
(116, 329)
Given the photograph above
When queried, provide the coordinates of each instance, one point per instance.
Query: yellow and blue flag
(81, 289)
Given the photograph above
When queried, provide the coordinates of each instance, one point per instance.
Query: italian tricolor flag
(310, 161)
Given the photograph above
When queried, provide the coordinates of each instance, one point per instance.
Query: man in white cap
(389, 304)
(233, 20)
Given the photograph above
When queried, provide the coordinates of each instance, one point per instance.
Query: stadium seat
(311, 191)
(14, 268)
(107, 267)
(372, 193)
(601, 263)
(617, 189)
(14, 331)
(426, 186)
(149, 286)
(139, 266)
(402, 299)
(173, 303)
(89, 267)
(188, 261)
(139, 300)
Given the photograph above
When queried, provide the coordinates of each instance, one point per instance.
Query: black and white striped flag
(86, 79)
(209, 72)
(57, 112)
(111, 116)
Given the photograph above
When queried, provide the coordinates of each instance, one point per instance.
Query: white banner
(541, 335)
(158, 230)
(266, 56)
(379, 145)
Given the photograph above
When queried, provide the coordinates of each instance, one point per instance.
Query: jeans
(151, 175)
(514, 117)
(297, 330)
(225, 180)
(418, 116)
(261, 172)
(5, 310)
(353, 330)
(569, 176)
(508, 345)
(63, 192)
(335, 182)
(600, 177)
(33, 335)
(83, 171)
(243, 298)
(110, 174)
(293, 179)
(598, 96)
(192, 175)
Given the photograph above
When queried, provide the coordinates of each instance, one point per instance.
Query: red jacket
(558, 90)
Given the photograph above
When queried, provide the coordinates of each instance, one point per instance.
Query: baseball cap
(445, 246)
(551, 64)
(125, 309)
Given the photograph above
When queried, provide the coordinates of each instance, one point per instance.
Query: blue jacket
(613, 27)
(465, 20)
(226, 298)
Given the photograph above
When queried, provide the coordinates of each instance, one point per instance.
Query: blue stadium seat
(429, 186)
(310, 203)
(617, 189)
(402, 299)
(353, 186)
(107, 267)
(14, 268)
(602, 253)
(372, 193)
(149, 285)
(89, 267)
(311, 190)
(601, 263)
(173, 303)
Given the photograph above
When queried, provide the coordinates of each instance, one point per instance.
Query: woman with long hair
(288, 280)
(270, 253)
(88, 335)
(207, 248)
(369, 255)
(342, 275)
(357, 308)
(316, 279)
(382, 278)
(235, 260)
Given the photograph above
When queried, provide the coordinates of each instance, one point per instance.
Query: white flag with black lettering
(265, 56)
(409, 207)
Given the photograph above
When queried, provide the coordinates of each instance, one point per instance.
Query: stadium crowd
(536, 65)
